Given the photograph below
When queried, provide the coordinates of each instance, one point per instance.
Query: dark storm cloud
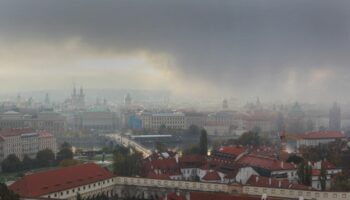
(253, 46)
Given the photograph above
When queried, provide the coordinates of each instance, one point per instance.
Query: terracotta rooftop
(265, 163)
(232, 150)
(212, 176)
(324, 135)
(260, 181)
(16, 131)
(38, 184)
(192, 161)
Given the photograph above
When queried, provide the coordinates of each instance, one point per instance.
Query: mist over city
(174, 100)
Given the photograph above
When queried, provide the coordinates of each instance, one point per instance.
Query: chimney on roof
(269, 181)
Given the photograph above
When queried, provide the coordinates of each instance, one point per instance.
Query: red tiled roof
(260, 181)
(328, 165)
(192, 161)
(265, 163)
(316, 172)
(166, 164)
(212, 176)
(324, 135)
(232, 150)
(47, 182)
(15, 131)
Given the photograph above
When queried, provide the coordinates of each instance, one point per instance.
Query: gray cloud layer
(298, 49)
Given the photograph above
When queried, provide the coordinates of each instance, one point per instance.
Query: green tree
(45, 158)
(64, 154)
(79, 197)
(66, 145)
(11, 164)
(295, 159)
(341, 183)
(69, 162)
(160, 147)
(129, 164)
(323, 178)
(6, 194)
(162, 129)
(28, 163)
(193, 130)
(304, 173)
(192, 149)
(249, 138)
(203, 143)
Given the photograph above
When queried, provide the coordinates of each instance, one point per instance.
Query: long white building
(171, 120)
(25, 141)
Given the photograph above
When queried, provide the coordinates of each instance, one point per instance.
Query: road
(126, 142)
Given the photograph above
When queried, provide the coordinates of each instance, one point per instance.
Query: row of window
(82, 188)
(299, 193)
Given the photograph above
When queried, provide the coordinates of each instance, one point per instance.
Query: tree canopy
(7, 194)
(45, 158)
(203, 143)
(127, 163)
(249, 138)
(11, 164)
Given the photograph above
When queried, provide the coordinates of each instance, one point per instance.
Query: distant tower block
(47, 98)
(335, 118)
(225, 105)
(127, 100)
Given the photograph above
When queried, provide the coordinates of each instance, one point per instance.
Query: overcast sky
(275, 49)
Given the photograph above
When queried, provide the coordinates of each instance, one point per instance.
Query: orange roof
(265, 163)
(38, 184)
(192, 161)
(212, 176)
(16, 131)
(324, 135)
(260, 181)
(316, 172)
(233, 150)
